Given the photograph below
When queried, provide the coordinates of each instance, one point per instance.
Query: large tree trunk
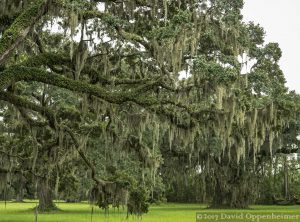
(20, 189)
(231, 187)
(20, 194)
(232, 197)
(45, 196)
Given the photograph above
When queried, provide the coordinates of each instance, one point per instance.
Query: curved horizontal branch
(50, 115)
(106, 81)
(48, 59)
(58, 59)
(30, 121)
(19, 73)
(23, 103)
(138, 96)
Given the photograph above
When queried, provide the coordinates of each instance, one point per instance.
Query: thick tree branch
(138, 95)
(57, 59)
(29, 120)
(84, 158)
(48, 59)
(20, 102)
(50, 115)
(20, 28)
(19, 73)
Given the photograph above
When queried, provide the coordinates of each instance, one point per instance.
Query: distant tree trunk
(268, 194)
(45, 196)
(232, 183)
(275, 171)
(19, 198)
(20, 194)
(20, 191)
(234, 197)
(231, 188)
(286, 179)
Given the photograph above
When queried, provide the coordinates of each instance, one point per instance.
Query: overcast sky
(281, 21)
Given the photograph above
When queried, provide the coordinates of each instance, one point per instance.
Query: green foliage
(214, 73)
(101, 98)
(19, 26)
(137, 203)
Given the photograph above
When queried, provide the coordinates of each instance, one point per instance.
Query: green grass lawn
(81, 212)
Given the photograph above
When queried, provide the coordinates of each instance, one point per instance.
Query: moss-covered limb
(98, 78)
(29, 120)
(114, 57)
(85, 159)
(20, 102)
(57, 62)
(170, 107)
(126, 81)
(19, 73)
(20, 28)
(48, 59)
(94, 14)
(138, 96)
(58, 59)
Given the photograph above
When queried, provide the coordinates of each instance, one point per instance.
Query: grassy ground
(81, 212)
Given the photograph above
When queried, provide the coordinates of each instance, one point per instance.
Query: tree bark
(231, 188)
(20, 191)
(232, 198)
(45, 196)
(20, 28)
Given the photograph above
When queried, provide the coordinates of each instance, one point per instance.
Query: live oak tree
(288, 162)
(114, 72)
